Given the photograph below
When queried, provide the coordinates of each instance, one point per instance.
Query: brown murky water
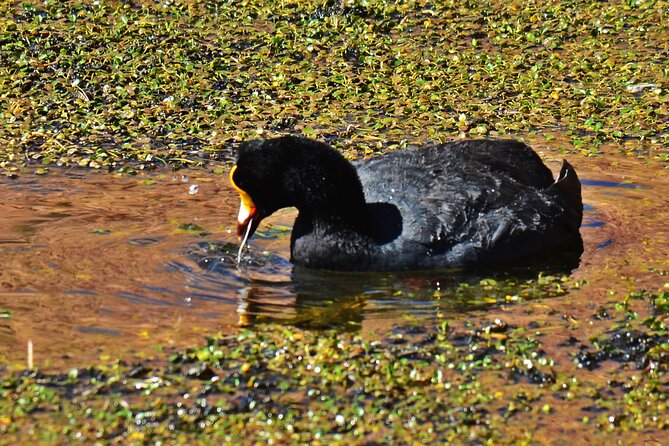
(95, 264)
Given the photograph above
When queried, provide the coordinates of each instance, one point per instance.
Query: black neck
(322, 184)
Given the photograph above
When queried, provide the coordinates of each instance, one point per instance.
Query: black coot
(464, 204)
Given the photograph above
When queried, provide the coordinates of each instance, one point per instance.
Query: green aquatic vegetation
(126, 85)
(509, 290)
(479, 380)
(191, 227)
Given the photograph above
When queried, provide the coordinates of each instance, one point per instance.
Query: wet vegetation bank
(479, 381)
(121, 83)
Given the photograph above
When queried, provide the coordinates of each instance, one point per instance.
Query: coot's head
(257, 176)
(288, 171)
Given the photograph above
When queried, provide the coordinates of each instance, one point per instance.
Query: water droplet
(193, 189)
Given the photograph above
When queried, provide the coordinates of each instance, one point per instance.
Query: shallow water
(98, 264)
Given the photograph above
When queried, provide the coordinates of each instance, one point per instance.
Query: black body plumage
(464, 204)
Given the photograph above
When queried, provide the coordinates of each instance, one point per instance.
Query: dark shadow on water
(269, 289)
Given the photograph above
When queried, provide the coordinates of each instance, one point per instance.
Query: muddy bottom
(95, 264)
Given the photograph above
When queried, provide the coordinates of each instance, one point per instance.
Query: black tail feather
(568, 187)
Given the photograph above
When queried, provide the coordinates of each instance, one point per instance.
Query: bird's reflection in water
(258, 304)
(269, 289)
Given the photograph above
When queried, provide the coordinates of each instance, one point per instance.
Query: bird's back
(473, 202)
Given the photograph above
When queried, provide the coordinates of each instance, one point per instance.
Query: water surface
(96, 264)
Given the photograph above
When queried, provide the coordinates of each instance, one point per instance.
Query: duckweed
(127, 85)
(463, 381)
